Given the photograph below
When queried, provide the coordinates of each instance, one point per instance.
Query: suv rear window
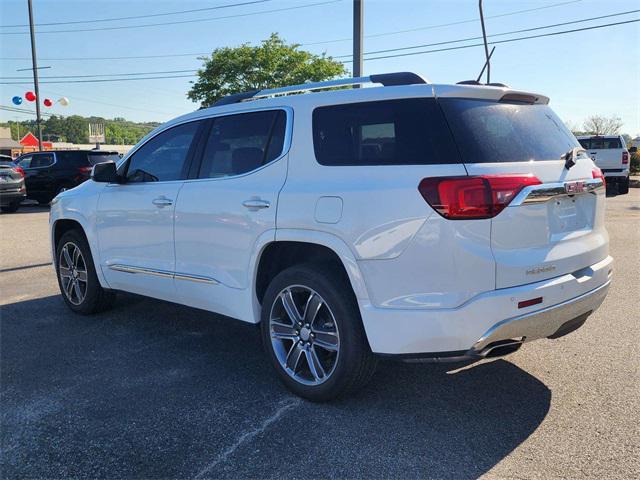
(391, 132)
(599, 143)
(489, 131)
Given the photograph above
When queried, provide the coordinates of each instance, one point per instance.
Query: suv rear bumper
(490, 319)
(8, 197)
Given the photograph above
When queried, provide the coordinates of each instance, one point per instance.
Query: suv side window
(242, 143)
(163, 158)
(391, 132)
(73, 159)
(25, 162)
(40, 160)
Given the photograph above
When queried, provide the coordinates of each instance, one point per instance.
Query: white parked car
(414, 220)
(611, 155)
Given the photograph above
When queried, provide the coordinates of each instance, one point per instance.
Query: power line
(543, 27)
(137, 57)
(105, 75)
(106, 80)
(450, 24)
(395, 32)
(179, 22)
(75, 22)
(23, 110)
(77, 77)
(562, 32)
(500, 41)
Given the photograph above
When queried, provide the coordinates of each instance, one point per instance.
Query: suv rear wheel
(312, 332)
(77, 277)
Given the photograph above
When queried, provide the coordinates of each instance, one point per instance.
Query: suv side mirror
(633, 149)
(105, 172)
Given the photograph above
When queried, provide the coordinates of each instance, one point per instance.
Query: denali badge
(574, 187)
(538, 270)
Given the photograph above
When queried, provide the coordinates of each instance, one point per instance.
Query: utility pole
(358, 15)
(36, 86)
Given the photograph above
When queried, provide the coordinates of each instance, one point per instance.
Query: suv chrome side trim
(547, 191)
(163, 273)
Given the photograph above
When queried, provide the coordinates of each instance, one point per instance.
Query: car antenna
(486, 63)
(486, 45)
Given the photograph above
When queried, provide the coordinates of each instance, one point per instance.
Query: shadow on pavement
(156, 390)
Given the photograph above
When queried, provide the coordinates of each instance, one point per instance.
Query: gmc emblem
(574, 187)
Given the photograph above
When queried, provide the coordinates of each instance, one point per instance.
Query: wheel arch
(60, 226)
(291, 247)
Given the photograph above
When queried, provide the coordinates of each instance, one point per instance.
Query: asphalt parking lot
(156, 390)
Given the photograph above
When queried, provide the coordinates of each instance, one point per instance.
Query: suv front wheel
(79, 284)
(313, 334)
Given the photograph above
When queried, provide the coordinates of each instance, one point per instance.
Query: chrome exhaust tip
(500, 348)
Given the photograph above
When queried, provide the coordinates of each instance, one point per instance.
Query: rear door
(38, 175)
(221, 215)
(547, 230)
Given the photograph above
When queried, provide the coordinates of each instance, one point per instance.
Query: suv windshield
(489, 131)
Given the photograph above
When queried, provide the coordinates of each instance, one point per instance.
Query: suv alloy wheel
(312, 331)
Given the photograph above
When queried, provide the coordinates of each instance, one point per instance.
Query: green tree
(76, 129)
(272, 64)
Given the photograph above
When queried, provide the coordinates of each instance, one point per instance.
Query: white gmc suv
(414, 220)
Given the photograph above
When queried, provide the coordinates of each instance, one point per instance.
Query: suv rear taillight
(466, 198)
(20, 171)
(597, 173)
(625, 158)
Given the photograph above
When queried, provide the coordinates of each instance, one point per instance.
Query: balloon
(64, 101)
(30, 96)
(16, 100)
(47, 102)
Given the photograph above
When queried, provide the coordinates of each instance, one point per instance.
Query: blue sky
(585, 73)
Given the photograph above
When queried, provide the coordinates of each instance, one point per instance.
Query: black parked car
(49, 173)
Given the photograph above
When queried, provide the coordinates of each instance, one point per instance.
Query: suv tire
(332, 338)
(623, 186)
(76, 273)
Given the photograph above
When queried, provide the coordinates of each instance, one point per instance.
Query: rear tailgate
(606, 152)
(10, 178)
(549, 229)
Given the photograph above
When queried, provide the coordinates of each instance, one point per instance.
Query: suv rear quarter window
(409, 131)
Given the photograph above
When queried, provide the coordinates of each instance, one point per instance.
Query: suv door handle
(255, 204)
(162, 201)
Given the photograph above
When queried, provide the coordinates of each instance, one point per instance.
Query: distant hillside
(75, 129)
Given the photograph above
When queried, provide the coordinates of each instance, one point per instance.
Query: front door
(135, 218)
(221, 215)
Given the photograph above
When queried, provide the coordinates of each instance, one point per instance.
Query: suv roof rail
(386, 79)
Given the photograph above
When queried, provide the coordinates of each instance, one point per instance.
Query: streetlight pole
(36, 86)
(358, 14)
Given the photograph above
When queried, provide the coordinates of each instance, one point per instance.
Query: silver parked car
(12, 188)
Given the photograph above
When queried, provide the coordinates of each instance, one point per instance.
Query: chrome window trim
(163, 273)
(285, 146)
(55, 160)
(546, 191)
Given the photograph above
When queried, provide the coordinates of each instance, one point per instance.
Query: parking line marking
(247, 436)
